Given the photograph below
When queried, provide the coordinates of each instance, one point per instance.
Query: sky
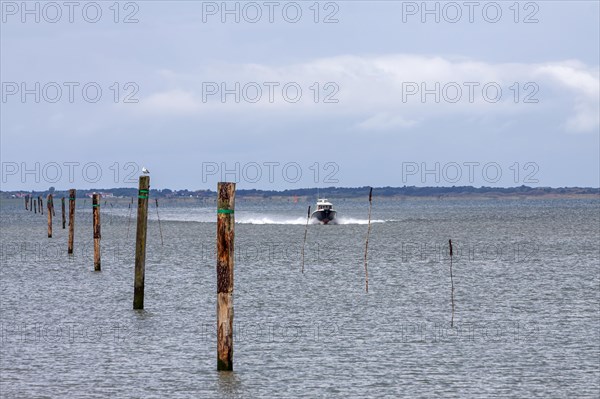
(285, 95)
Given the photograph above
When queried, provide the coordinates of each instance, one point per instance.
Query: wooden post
(41, 201)
(452, 284)
(72, 194)
(35, 206)
(96, 223)
(26, 202)
(305, 232)
(64, 221)
(128, 220)
(159, 226)
(30, 203)
(367, 241)
(225, 256)
(49, 205)
(140, 242)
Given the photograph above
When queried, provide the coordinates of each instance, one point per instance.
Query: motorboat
(324, 213)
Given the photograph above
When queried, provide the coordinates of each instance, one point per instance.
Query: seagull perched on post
(145, 171)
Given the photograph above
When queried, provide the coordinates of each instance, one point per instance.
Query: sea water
(526, 293)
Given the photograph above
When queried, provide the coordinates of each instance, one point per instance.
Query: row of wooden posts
(225, 254)
(32, 205)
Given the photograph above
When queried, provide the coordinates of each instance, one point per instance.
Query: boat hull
(324, 216)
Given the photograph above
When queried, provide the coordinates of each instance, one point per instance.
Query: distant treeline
(331, 192)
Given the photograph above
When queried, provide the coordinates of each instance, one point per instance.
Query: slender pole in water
(31, 203)
(305, 231)
(26, 202)
(96, 229)
(367, 241)
(72, 196)
(140, 242)
(41, 204)
(159, 226)
(225, 258)
(129, 219)
(62, 203)
(35, 203)
(452, 284)
(49, 203)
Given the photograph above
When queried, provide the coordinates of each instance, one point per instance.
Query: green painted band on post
(143, 194)
(95, 205)
(225, 211)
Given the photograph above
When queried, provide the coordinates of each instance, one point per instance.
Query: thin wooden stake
(128, 221)
(41, 203)
(35, 203)
(72, 196)
(31, 203)
(159, 226)
(225, 257)
(305, 233)
(140, 242)
(96, 227)
(452, 284)
(64, 219)
(49, 204)
(26, 202)
(367, 242)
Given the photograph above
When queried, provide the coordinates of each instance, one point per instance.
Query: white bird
(145, 171)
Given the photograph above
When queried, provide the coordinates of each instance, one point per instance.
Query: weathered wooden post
(64, 221)
(367, 241)
(159, 226)
(72, 195)
(35, 206)
(96, 224)
(305, 233)
(30, 203)
(49, 205)
(128, 220)
(140, 242)
(225, 256)
(41, 204)
(27, 202)
(452, 284)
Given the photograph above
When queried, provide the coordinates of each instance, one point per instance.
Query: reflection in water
(229, 383)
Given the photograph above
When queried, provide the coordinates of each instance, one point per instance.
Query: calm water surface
(526, 324)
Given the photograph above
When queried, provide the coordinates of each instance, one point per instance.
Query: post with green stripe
(72, 195)
(140, 242)
(96, 228)
(225, 246)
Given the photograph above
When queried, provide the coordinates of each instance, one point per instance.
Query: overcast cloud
(361, 97)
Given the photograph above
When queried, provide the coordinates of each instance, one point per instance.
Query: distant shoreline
(358, 193)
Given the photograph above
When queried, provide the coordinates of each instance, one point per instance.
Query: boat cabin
(324, 205)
